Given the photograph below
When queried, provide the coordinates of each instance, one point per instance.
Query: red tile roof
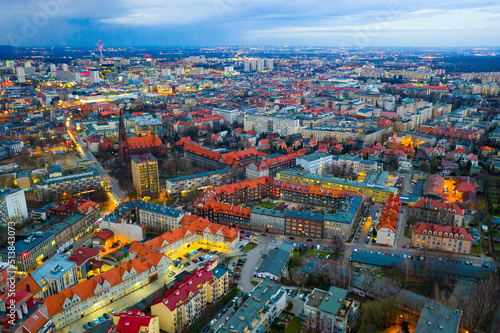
(82, 254)
(132, 321)
(431, 227)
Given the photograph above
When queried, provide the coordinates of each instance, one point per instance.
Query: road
(85, 153)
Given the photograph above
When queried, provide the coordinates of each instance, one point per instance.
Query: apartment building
(145, 175)
(389, 221)
(307, 194)
(274, 264)
(135, 321)
(229, 116)
(329, 311)
(55, 188)
(247, 190)
(350, 164)
(257, 313)
(438, 318)
(258, 123)
(12, 205)
(101, 290)
(31, 251)
(30, 314)
(4, 283)
(211, 159)
(55, 275)
(199, 180)
(267, 220)
(304, 224)
(445, 238)
(222, 213)
(182, 304)
(315, 163)
(285, 126)
(269, 167)
(195, 230)
(376, 191)
(342, 135)
(440, 212)
(340, 224)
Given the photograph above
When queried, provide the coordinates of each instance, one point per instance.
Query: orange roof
(29, 284)
(35, 321)
(144, 141)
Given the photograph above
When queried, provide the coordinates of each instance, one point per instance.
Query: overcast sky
(250, 22)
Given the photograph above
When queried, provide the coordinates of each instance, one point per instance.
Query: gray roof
(248, 312)
(438, 318)
(199, 175)
(330, 303)
(143, 158)
(275, 262)
(267, 211)
(219, 271)
(47, 270)
(304, 215)
(313, 157)
(22, 247)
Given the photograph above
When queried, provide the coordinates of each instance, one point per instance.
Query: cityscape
(251, 175)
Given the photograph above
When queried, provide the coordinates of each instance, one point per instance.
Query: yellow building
(135, 321)
(182, 304)
(378, 193)
(145, 175)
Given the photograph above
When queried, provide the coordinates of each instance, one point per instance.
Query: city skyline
(234, 22)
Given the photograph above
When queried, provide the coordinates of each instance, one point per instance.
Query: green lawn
(267, 204)
(476, 250)
(294, 326)
(249, 246)
(254, 283)
(315, 253)
(408, 232)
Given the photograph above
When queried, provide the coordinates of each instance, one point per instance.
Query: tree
(405, 327)
(424, 166)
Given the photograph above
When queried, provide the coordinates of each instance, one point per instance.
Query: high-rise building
(246, 65)
(21, 77)
(145, 175)
(27, 64)
(260, 65)
(165, 71)
(52, 68)
(269, 64)
(64, 67)
(253, 64)
(10, 64)
(13, 205)
(94, 75)
(179, 71)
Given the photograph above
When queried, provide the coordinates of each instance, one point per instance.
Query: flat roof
(22, 247)
(438, 318)
(54, 268)
(198, 175)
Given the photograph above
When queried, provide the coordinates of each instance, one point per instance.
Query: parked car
(241, 246)
(213, 322)
(106, 316)
(263, 256)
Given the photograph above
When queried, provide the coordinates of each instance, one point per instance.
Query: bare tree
(406, 267)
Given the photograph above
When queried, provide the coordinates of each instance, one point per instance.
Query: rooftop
(438, 318)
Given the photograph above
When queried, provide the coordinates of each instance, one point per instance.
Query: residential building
(211, 159)
(275, 262)
(267, 220)
(445, 238)
(440, 212)
(30, 314)
(145, 175)
(4, 283)
(12, 205)
(229, 116)
(304, 224)
(55, 275)
(340, 224)
(84, 258)
(195, 230)
(31, 251)
(375, 190)
(316, 163)
(101, 290)
(54, 188)
(438, 318)
(182, 304)
(199, 181)
(269, 167)
(135, 321)
(329, 311)
(133, 216)
(256, 314)
(389, 221)
(222, 213)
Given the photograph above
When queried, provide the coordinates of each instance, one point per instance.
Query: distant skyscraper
(269, 64)
(64, 67)
(94, 75)
(10, 64)
(52, 68)
(179, 71)
(27, 64)
(253, 64)
(21, 78)
(165, 71)
(246, 66)
(260, 65)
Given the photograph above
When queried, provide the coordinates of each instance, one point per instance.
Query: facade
(269, 167)
(444, 213)
(257, 313)
(196, 230)
(101, 290)
(200, 180)
(211, 159)
(55, 275)
(135, 321)
(340, 225)
(379, 193)
(444, 238)
(267, 220)
(304, 224)
(315, 163)
(55, 188)
(4, 283)
(182, 304)
(329, 311)
(222, 213)
(12, 205)
(29, 252)
(389, 221)
(145, 175)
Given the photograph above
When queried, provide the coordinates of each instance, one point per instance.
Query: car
(238, 267)
(317, 256)
(106, 316)
(218, 328)
(112, 311)
(292, 238)
(101, 319)
(235, 298)
(224, 310)
(227, 318)
(90, 324)
(309, 240)
(324, 249)
(213, 322)
(230, 304)
(234, 263)
(263, 256)
(86, 326)
(240, 294)
(241, 246)
(194, 261)
(257, 234)
(294, 293)
(188, 264)
(206, 329)
(219, 315)
(96, 321)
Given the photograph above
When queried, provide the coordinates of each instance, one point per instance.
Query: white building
(229, 116)
(13, 205)
(269, 64)
(260, 65)
(285, 126)
(179, 71)
(55, 275)
(315, 163)
(94, 75)
(21, 77)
